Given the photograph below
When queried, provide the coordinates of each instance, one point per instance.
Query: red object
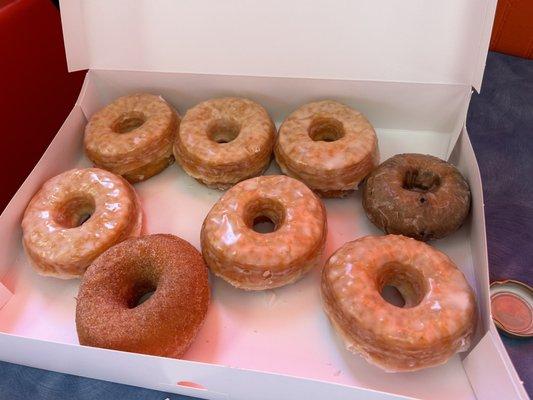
(36, 90)
(512, 312)
(513, 28)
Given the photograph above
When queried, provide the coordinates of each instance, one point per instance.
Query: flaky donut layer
(133, 136)
(437, 320)
(328, 146)
(224, 141)
(255, 261)
(75, 217)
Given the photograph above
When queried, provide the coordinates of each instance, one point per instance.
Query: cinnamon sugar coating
(58, 240)
(255, 261)
(133, 136)
(328, 146)
(416, 195)
(224, 141)
(439, 316)
(108, 314)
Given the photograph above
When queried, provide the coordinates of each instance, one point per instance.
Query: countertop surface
(500, 124)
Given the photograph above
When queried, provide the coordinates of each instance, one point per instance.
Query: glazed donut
(133, 136)
(439, 315)
(75, 217)
(252, 260)
(224, 141)
(328, 146)
(416, 195)
(110, 312)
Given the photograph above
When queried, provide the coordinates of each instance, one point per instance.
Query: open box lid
(443, 42)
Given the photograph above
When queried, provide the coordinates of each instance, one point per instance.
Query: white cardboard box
(409, 66)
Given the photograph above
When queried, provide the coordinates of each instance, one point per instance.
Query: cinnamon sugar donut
(224, 141)
(75, 217)
(328, 146)
(133, 136)
(252, 260)
(437, 320)
(416, 195)
(110, 312)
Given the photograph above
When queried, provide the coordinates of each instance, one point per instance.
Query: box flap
(491, 372)
(386, 40)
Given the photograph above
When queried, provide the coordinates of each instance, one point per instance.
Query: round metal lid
(512, 307)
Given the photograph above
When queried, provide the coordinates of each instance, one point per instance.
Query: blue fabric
(23, 383)
(500, 123)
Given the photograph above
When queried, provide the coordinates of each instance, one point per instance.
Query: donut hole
(223, 130)
(393, 296)
(141, 293)
(144, 297)
(264, 215)
(326, 129)
(421, 181)
(263, 224)
(400, 285)
(128, 122)
(75, 211)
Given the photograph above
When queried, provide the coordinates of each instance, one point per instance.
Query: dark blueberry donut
(416, 195)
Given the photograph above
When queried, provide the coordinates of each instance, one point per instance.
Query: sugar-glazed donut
(75, 217)
(224, 141)
(437, 320)
(327, 145)
(133, 136)
(110, 311)
(416, 195)
(252, 260)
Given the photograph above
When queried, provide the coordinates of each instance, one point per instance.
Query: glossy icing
(329, 146)
(224, 141)
(252, 260)
(439, 316)
(53, 238)
(132, 136)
